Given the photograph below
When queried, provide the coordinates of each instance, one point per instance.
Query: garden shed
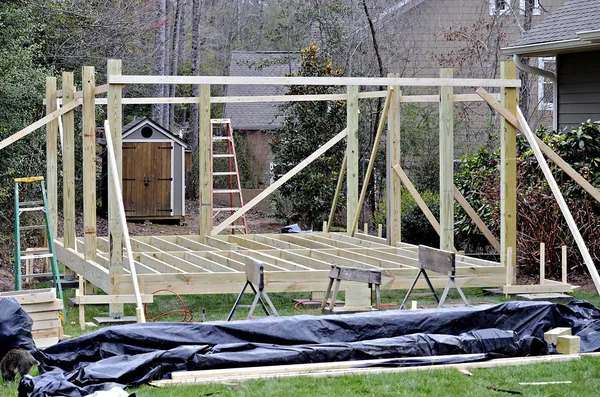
(153, 172)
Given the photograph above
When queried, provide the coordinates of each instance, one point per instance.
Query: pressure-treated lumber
(551, 154)
(508, 169)
(115, 123)
(475, 217)
(204, 158)
(52, 155)
(446, 115)
(352, 154)
(318, 370)
(542, 263)
(69, 162)
(100, 89)
(367, 178)
(564, 208)
(393, 184)
(40, 123)
(89, 163)
(568, 344)
(288, 175)
(550, 336)
(120, 210)
(338, 191)
(341, 81)
(563, 262)
(413, 192)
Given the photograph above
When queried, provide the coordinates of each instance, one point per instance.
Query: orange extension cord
(188, 316)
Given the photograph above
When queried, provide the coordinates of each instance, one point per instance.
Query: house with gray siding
(571, 35)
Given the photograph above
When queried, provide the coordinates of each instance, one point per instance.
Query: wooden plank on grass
(26, 297)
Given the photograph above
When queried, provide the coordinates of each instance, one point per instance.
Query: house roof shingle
(572, 17)
(258, 116)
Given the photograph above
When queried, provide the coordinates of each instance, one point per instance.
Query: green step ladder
(50, 252)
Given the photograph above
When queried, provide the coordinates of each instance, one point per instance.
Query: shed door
(147, 178)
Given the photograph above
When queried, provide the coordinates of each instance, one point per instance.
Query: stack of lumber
(43, 307)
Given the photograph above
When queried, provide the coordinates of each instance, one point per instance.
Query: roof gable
(136, 124)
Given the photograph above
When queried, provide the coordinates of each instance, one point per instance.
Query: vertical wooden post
(68, 88)
(51, 154)
(509, 267)
(89, 162)
(542, 263)
(446, 164)
(380, 230)
(508, 171)
(204, 158)
(352, 152)
(393, 185)
(115, 122)
(564, 263)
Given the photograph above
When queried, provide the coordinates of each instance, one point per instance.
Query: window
(545, 86)
(536, 7)
(499, 6)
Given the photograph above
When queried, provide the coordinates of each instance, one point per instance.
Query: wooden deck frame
(212, 263)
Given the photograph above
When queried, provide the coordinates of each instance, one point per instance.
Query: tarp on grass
(130, 355)
(15, 327)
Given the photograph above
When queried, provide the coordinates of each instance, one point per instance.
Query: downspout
(547, 74)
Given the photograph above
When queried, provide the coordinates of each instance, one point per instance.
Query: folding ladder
(35, 253)
(224, 174)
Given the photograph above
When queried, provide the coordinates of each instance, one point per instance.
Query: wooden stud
(352, 152)
(508, 169)
(366, 228)
(564, 263)
(89, 163)
(380, 230)
(204, 156)
(367, 178)
(393, 184)
(568, 344)
(69, 162)
(368, 81)
(78, 293)
(115, 122)
(288, 175)
(446, 164)
(52, 154)
(564, 208)
(542, 263)
(550, 336)
(325, 228)
(338, 191)
(509, 267)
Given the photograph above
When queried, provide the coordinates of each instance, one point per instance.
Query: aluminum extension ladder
(225, 175)
(36, 253)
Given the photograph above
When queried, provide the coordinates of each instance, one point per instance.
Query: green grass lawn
(584, 373)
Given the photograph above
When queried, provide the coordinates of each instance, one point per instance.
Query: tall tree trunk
(193, 141)
(160, 60)
(526, 82)
(177, 29)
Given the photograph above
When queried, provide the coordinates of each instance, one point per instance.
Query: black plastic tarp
(15, 327)
(133, 354)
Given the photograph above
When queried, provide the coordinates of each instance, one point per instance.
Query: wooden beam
(475, 217)
(367, 178)
(40, 123)
(551, 154)
(68, 84)
(94, 272)
(115, 123)
(393, 183)
(341, 81)
(446, 164)
(508, 171)
(89, 163)
(303, 164)
(204, 156)
(564, 208)
(411, 189)
(52, 155)
(352, 153)
(100, 89)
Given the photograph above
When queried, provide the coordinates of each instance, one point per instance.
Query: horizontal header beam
(341, 81)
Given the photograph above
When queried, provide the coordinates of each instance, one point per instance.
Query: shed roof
(561, 31)
(258, 116)
(135, 124)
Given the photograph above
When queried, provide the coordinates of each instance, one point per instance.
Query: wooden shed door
(147, 178)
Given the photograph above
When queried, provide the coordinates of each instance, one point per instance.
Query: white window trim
(542, 105)
(493, 10)
(536, 7)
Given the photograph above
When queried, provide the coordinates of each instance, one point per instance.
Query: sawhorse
(437, 261)
(338, 273)
(254, 278)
